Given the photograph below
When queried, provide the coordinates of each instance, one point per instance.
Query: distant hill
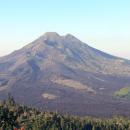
(62, 73)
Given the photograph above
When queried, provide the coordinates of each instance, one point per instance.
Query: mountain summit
(62, 73)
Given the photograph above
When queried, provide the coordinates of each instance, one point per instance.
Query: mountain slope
(68, 70)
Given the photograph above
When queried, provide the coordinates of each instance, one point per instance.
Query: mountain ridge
(55, 40)
(52, 34)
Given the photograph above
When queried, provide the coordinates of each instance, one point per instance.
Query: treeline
(17, 117)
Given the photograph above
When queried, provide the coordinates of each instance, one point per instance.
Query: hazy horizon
(101, 24)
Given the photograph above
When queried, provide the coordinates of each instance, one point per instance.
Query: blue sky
(103, 24)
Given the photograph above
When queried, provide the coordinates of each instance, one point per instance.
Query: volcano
(62, 73)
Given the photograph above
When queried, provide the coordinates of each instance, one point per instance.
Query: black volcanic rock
(62, 73)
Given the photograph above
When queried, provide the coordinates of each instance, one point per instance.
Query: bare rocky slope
(62, 73)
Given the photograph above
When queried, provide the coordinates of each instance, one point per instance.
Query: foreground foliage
(14, 117)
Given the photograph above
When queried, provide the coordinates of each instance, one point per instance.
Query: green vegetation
(123, 93)
(14, 116)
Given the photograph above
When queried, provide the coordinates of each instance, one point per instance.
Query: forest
(14, 116)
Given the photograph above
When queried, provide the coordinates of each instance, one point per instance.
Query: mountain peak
(51, 35)
(69, 36)
(56, 35)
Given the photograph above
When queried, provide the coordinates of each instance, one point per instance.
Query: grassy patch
(123, 93)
